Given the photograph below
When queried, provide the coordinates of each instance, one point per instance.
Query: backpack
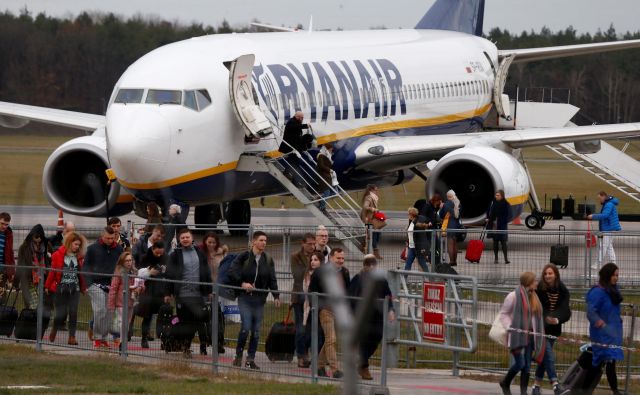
(223, 277)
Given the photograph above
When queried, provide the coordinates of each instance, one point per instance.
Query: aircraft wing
(72, 119)
(394, 153)
(533, 54)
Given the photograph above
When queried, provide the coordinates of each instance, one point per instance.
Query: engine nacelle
(75, 182)
(475, 173)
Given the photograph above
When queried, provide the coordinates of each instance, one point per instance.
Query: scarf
(324, 151)
(38, 261)
(374, 197)
(529, 322)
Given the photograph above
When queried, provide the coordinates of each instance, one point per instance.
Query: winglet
(465, 16)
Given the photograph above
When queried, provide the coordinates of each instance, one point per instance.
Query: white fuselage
(349, 85)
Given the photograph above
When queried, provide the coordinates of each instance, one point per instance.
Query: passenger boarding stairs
(297, 173)
(609, 164)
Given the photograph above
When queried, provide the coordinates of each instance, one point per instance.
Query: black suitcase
(560, 252)
(581, 378)
(172, 338)
(221, 327)
(8, 315)
(281, 341)
(445, 268)
(27, 324)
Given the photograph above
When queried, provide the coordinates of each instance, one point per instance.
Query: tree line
(73, 63)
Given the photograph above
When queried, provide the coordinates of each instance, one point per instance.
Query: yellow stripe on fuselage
(357, 132)
(516, 200)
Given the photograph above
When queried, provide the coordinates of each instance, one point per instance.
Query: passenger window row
(420, 91)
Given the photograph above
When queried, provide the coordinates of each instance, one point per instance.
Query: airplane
(180, 118)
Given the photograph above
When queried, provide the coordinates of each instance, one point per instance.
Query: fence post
(385, 333)
(124, 327)
(286, 243)
(587, 266)
(314, 337)
(369, 239)
(40, 311)
(432, 253)
(393, 331)
(634, 312)
(214, 329)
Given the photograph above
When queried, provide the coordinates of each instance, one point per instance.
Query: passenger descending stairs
(302, 181)
(610, 164)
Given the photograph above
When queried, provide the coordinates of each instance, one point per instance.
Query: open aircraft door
(244, 101)
(501, 100)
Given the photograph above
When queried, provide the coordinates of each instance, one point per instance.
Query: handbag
(403, 254)
(591, 238)
(379, 220)
(498, 333)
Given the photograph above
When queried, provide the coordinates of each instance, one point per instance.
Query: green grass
(22, 365)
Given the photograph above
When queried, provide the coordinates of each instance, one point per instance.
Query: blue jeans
(412, 254)
(521, 360)
(548, 363)
(375, 239)
(322, 205)
(251, 314)
(301, 338)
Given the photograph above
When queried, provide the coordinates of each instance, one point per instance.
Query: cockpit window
(190, 100)
(129, 96)
(158, 96)
(203, 98)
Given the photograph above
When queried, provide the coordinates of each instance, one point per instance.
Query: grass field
(24, 156)
(21, 365)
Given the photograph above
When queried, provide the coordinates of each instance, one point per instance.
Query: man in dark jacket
(293, 135)
(121, 238)
(99, 266)
(7, 272)
(299, 267)
(253, 271)
(189, 265)
(335, 269)
(373, 334)
(146, 241)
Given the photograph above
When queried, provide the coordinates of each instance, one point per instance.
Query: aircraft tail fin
(465, 16)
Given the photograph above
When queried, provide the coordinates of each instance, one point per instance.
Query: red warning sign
(434, 311)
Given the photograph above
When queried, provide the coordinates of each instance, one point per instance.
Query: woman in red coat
(66, 283)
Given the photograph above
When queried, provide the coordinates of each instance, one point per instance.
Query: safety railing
(582, 253)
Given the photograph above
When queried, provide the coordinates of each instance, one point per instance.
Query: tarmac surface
(526, 247)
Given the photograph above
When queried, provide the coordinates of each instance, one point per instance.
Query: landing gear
(238, 212)
(535, 220)
(208, 215)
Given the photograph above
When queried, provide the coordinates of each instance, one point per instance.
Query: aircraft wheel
(542, 223)
(532, 221)
(207, 216)
(238, 212)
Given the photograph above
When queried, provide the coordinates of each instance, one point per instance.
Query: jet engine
(74, 179)
(475, 173)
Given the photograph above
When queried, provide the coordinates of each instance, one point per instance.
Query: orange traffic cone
(60, 220)
(517, 221)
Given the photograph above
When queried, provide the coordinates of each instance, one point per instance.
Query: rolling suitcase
(8, 315)
(581, 378)
(560, 252)
(475, 249)
(281, 341)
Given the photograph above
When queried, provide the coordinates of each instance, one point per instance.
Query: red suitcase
(474, 251)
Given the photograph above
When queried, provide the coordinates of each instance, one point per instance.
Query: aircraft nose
(138, 142)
